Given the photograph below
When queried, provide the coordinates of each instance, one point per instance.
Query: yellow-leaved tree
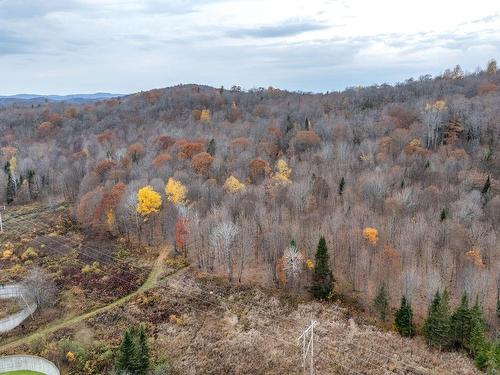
(175, 191)
(110, 218)
(205, 116)
(148, 201)
(233, 185)
(12, 164)
(371, 235)
(283, 170)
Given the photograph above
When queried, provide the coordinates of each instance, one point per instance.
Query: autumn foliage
(306, 139)
(46, 129)
(201, 162)
(189, 149)
(148, 201)
(258, 169)
(135, 151)
(233, 185)
(371, 235)
(175, 191)
(161, 159)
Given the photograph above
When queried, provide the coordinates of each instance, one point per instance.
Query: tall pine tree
(437, 325)
(381, 303)
(11, 184)
(126, 353)
(141, 359)
(404, 319)
(323, 280)
(461, 324)
(477, 338)
(211, 148)
(341, 186)
(133, 353)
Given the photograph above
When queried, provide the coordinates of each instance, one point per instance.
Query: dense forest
(403, 181)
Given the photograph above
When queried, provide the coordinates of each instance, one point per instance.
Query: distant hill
(60, 98)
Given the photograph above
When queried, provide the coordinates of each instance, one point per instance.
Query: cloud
(20, 9)
(67, 46)
(11, 43)
(286, 29)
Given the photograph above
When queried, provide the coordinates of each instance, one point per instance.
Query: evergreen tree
(289, 125)
(437, 325)
(341, 186)
(443, 215)
(404, 319)
(477, 340)
(497, 355)
(126, 352)
(381, 303)
(486, 186)
(307, 124)
(141, 360)
(211, 148)
(11, 184)
(30, 176)
(461, 323)
(498, 308)
(322, 278)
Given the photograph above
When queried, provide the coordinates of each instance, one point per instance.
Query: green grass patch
(22, 372)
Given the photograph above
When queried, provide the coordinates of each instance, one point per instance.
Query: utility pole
(307, 340)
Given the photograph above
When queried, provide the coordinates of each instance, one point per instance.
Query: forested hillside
(402, 181)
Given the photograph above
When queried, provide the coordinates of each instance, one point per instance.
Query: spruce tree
(477, 339)
(404, 319)
(498, 306)
(322, 278)
(126, 352)
(443, 215)
(437, 324)
(381, 303)
(341, 186)
(307, 124)
(211, 148)
(11, 184)
(486, 186)
(30, 176)
(289, 125)
(141, 360)
(461, 323)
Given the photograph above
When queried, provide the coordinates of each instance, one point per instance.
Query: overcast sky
(86, 46)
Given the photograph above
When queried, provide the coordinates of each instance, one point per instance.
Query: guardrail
(27, 363)
(12, 321)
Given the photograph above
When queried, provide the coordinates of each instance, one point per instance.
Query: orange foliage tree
(161, 159)
(181, 233)
(70, 112)
(136, 151)
(258, 169)
(104, 166)
(201, 162)
(371, 235)
(46, 129)
(164, 142)
(306, 139)
(108, 202)
(188, 150)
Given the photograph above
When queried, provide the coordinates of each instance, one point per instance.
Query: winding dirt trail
(150, 282)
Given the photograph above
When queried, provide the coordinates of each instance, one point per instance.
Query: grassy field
(21, 372)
